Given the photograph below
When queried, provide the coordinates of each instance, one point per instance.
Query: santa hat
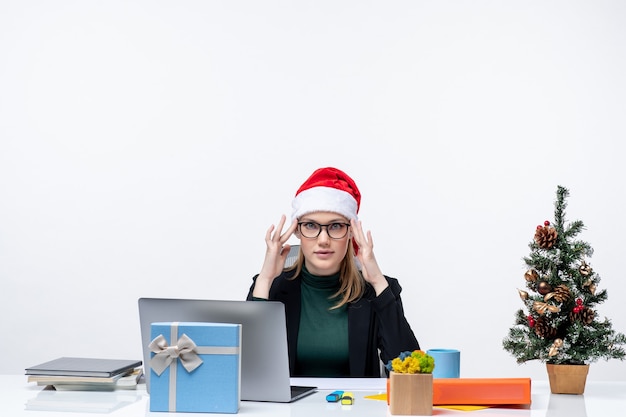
(327, 189)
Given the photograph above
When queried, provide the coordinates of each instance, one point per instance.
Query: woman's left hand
(365, 255)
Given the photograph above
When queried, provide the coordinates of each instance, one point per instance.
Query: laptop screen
(264, 356)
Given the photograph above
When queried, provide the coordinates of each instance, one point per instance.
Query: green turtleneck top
(323, 333)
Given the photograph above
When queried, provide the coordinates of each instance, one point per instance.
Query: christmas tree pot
(410, 394)
(567, 379)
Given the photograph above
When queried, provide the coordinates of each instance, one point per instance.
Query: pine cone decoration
(561, 293)
(543, 329)
(586, 315)
(545, 236)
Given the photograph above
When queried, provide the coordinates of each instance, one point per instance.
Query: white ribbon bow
(185, 351)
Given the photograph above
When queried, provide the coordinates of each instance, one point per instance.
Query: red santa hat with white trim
(327, 189)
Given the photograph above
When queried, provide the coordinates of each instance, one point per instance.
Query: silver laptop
(264, 355)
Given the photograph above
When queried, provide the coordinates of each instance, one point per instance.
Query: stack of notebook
(86, 374)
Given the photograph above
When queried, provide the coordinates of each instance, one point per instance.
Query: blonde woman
(343, 315)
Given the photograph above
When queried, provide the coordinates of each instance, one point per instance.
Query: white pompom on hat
(327, 189)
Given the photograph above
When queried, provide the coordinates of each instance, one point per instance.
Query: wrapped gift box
(195, 367)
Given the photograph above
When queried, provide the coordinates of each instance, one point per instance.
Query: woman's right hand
(275, 256)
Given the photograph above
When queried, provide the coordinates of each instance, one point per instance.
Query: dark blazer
(374, 323)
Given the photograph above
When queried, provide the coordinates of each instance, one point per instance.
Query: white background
(146, 147)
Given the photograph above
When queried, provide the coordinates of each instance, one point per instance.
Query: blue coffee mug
(447, 363)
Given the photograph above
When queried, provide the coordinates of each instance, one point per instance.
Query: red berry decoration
(531, 321)
(546, 223)
(579, 301)
(539, 226)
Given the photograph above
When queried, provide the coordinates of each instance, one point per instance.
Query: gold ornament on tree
(531, 275)
(545, 236)
(522, 294)
(554, 349)
(590, 286)
(544, 288)
(542, 308)
(584, 269)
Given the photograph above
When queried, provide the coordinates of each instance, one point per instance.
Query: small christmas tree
(560, 324)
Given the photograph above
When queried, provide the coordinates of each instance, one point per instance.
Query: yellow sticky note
(463, 407)
(377, 397)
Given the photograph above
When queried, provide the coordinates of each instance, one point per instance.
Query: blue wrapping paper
(195, 367)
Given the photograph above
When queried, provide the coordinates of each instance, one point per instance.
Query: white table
(17, 397)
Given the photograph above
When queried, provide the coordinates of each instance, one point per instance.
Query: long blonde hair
(351, 282)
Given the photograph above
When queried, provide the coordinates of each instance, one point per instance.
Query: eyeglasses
(311, 230)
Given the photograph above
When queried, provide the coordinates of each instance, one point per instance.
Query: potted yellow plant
(411, 384)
